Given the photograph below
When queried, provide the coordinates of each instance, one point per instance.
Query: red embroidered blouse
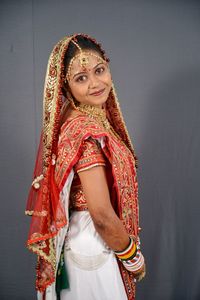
(91, 156)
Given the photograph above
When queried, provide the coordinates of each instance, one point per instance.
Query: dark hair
(85, 42)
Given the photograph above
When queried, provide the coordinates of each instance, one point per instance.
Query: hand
(136, 265)
(139, 276)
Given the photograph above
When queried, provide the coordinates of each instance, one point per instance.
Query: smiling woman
(84, 196)
(88, 82)
(93, 84)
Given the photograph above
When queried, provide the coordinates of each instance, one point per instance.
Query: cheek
(78, 91)
(108, 79)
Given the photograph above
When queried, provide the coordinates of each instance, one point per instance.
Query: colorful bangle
(135, 264)
(132, 257)
(129, 252)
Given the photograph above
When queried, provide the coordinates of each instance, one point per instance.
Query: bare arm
(106, 222)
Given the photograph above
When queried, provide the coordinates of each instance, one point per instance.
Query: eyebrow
(85, 71)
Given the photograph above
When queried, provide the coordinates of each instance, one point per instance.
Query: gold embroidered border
(91, 166)
(36, 213)
(51, 100)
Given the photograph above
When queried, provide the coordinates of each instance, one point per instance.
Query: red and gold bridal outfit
(79, 149)
(60, 157)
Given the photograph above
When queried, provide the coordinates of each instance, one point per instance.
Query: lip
(97, 93)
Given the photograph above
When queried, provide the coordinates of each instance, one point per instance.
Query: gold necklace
(96, 113)
(99, 114)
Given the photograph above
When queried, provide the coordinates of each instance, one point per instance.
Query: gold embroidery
(123, 168)
(36, 181)
(77, 196)
(39, 249)
(117, 120)
(117, 153)
(91, 155)
(50, 102)
(89, 167)
(36, 213)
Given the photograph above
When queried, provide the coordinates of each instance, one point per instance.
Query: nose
(93, 81)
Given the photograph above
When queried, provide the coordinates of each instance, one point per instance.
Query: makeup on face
(91, 84)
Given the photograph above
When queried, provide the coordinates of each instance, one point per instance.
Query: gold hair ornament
(83, 57)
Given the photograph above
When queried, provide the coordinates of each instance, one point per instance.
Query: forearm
(112, 231)
(106, 222)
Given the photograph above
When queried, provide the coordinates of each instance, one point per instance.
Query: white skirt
(91, 266)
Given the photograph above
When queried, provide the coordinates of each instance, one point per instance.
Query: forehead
(93, 58)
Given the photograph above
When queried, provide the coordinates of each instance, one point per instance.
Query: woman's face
(91, 84)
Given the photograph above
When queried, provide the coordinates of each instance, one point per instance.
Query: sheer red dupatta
(47, 218)
(43, 201)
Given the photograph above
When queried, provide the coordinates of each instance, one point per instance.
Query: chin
(98, 102)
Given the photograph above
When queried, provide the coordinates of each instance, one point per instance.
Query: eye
(81, 78)
(100, 70)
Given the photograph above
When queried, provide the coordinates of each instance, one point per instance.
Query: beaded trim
(36, 181)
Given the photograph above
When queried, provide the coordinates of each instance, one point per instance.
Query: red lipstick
(97, 93)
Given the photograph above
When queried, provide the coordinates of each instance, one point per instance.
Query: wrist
(129, 252)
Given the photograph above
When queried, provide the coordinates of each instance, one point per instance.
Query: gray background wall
(154, 48)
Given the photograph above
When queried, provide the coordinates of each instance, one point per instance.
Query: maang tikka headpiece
(83, 57)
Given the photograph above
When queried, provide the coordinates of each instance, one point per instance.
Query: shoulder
(91, 155)
(78, 141)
